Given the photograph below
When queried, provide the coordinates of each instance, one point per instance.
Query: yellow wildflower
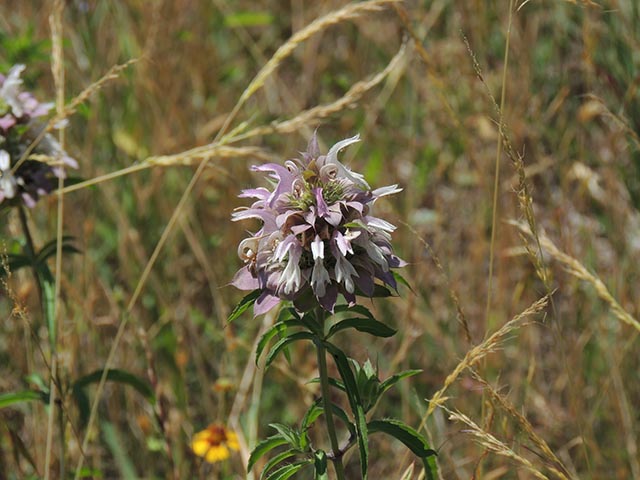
(214, 443)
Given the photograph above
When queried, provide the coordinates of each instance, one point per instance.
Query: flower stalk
(326, 400)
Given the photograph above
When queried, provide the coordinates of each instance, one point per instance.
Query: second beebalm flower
(318, 237)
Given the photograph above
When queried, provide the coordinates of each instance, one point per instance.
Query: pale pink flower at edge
(318, 237)
(24, 181)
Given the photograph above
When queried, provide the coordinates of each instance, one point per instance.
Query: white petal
(8, 185)
(319, 278)
(317, 248)
(332, 158)
(379, 223)
(388, 190)
(5, 160)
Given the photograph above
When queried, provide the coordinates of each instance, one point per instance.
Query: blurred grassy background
(572, 111)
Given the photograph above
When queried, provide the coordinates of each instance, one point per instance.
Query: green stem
(326, 401)
(31, 252)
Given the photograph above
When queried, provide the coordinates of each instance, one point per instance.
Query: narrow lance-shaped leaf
(366, 325)
(359, 309)
(120, 376)
(114, 375)
(392, 380)
(320, 465)
(244, 305)
(288, 471)
(263, 448)
(277, 348)
(271, 464)
(14, 263)
(316, 410)
(355, 403)
(291, 435)
(409, 437)
(8, 399)
(49, 303)
(278, 328)
(400, 279)
(49, 249)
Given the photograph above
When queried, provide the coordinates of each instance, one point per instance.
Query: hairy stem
(326, 402)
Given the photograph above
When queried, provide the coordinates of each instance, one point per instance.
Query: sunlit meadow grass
(523, 313)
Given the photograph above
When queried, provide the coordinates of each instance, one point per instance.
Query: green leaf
(48, 282)
(355, 402)
(411, 439)
(120, 376)
(320, 465)
(19, 448)
(291, 435)
(294, 337)
(264, 447)
(380, 291)
(334, 382)
(400, 279)
(8, 399)
(312, 414)
(14, 263)
(38, 381)
(244, 305)
(49, 249)
(309, 320)
(317, 409)
(114, 375)
(276, 460)
(278, 328)
(365, 325)
(121, 457)
(83, 404)
(391, 381)
(359, 309)
(288, 471)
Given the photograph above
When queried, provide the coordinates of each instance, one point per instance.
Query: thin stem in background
(496, 181)
(57, 68)
(494, 211)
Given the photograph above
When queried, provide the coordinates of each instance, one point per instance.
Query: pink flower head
(318, 238)
(25, 180)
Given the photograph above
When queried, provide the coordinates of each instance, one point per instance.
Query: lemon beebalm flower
(318, 237)
(215, 443)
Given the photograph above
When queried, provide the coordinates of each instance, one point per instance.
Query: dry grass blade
(112, 74)
(575, 268)
(354, 94)
(190, 157)
(347, 13)
(220, 151)
(523, 192)
(555, 464)
(480, 351)
(604, 111)
(492, 444)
